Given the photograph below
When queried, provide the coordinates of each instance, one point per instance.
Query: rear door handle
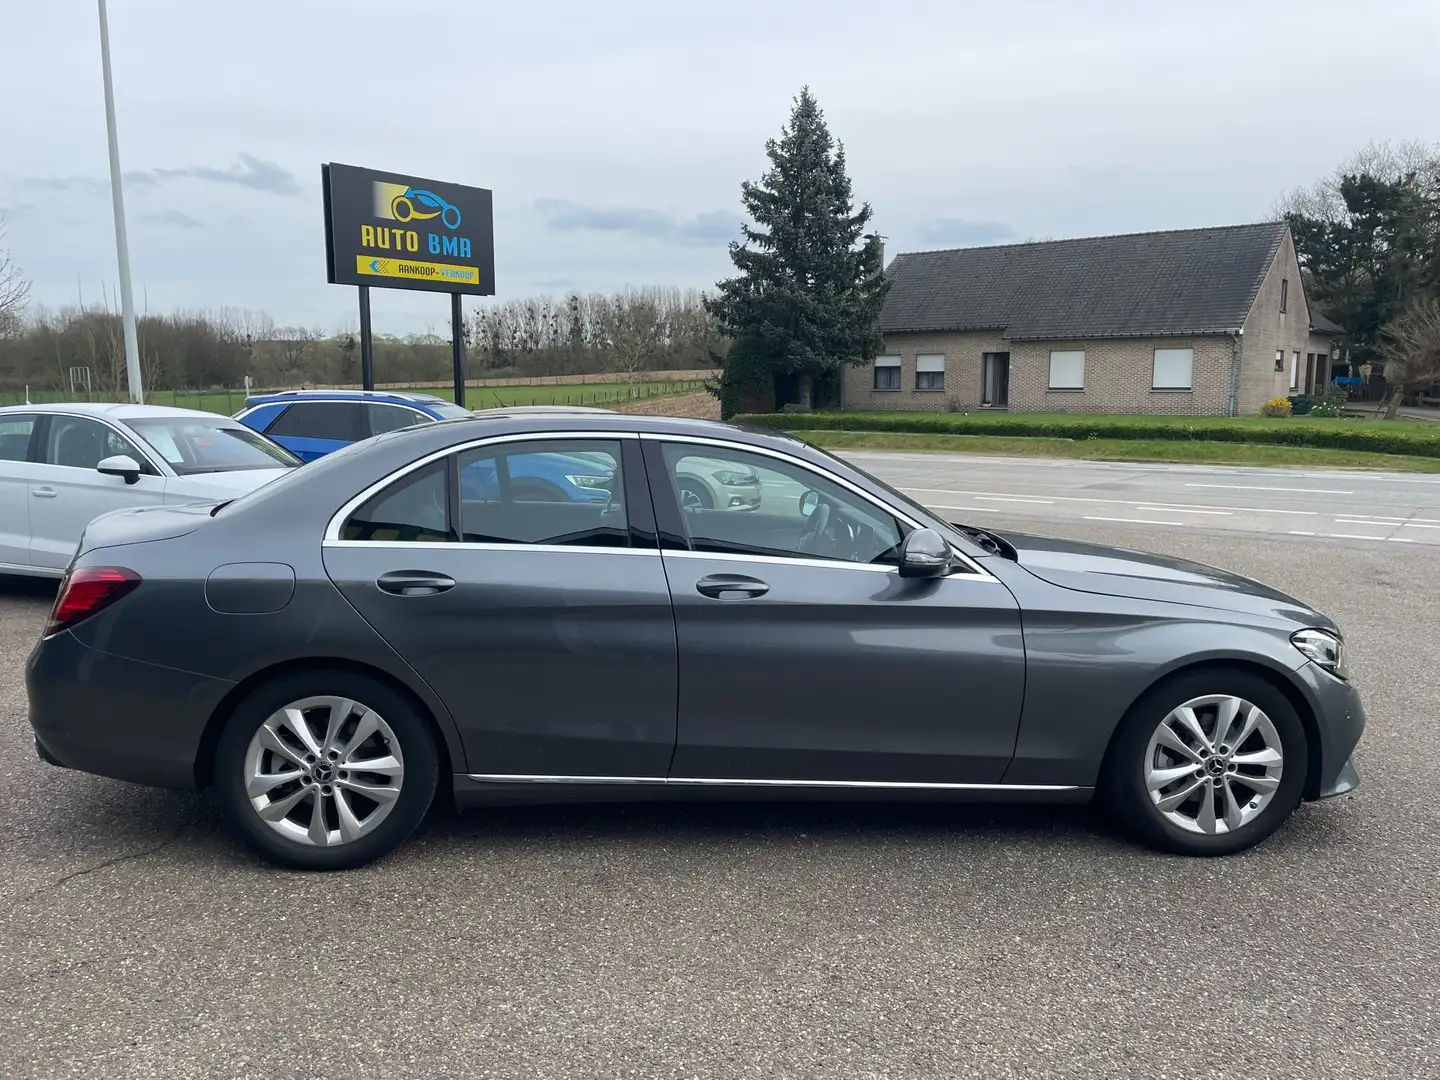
(731, 587)
(414, 583)
(44, 493)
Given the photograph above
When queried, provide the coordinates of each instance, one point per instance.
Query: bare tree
(1322, 201)
(1410, 347)
(14, 289)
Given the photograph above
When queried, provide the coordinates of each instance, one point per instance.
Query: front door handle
(414, 583)
(731, 587)
(44, 493)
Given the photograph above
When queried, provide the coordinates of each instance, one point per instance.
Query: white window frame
(1295, 370)
(889, 360)
(929, 364)
(1067, 356)
(1173, 356)
(1279, 359)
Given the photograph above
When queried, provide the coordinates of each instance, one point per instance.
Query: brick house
(1198, 321)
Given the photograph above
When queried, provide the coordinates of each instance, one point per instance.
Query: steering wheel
(815, 532)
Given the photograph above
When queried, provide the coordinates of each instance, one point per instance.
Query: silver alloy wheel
(324, 771)
(1213, 764)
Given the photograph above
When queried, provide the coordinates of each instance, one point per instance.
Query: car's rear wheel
(326, 770)
(1208, 763)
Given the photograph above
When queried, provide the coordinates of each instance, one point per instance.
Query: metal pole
(122, 246)
(367, 345)
(457, 347)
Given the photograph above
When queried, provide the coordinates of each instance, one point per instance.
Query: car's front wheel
(1208, 763)
(326, 770)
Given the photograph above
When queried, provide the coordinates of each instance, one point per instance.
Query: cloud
(247, 172)
(18, 210)
(715, 226)
(949, 230)
(172, 217)
(557, 283)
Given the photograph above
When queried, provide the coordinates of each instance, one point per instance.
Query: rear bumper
(103, 714)
(1339, 722)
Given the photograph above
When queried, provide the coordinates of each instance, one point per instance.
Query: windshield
(448, 410)
(192, 445)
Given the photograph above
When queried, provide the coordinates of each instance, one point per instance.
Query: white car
(62, 466)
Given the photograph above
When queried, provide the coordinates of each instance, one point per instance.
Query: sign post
(390, 231)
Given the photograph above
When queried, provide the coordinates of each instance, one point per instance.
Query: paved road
(137, 940)
(1400, 508)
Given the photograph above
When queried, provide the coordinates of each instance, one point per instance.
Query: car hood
(1109, 571)
(220, 485)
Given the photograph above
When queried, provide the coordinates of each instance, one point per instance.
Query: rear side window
(342, 421)
(412, 510)
(15, 434)
(564, 492)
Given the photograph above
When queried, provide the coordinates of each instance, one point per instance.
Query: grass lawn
(1163, 450)
(476, 397)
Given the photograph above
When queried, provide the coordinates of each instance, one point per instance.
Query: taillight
(88, 590)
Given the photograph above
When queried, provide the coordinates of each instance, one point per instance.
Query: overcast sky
(615, 135)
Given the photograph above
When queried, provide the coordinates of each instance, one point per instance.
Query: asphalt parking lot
(136, 939)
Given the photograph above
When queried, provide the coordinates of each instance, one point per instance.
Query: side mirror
(924, 554)
(121, 465)
(808, 502)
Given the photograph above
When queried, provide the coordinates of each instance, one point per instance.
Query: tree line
(636, 330)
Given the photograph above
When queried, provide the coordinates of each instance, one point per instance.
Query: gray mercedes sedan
(333, 651)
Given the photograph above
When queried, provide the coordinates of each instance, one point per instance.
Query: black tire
(1123, 788)
(411, 730)
(695, 495)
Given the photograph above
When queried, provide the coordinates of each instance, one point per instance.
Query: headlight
(736, 479)
(587, 481)
(1325, 648)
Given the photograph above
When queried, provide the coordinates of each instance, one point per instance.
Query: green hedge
(1374, 436)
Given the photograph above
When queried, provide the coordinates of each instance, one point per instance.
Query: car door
(312, 429)
(66, 491)
(544, 625)
(804, 656)
(16, 431)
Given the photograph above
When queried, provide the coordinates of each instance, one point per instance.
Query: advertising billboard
(390, 231)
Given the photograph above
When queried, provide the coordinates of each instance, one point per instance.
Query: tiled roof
(1194, 281)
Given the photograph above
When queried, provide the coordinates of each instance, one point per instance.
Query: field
(602, 394)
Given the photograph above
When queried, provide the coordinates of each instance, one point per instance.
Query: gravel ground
(137, 940)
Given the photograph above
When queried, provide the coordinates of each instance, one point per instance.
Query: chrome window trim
(332, 529)
(119, 428)
(463, 545)
(700, 781)
(975, 570)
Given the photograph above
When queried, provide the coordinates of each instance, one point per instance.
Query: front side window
(414, 509)
(887, 373)
(385, 418)
(339, 421)
(800, 513)
(1067, 369)
(564, 492)
(80, 443)
(15, 431)
(192, 446)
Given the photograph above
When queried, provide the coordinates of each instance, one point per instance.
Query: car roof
(121, 411)
(345, 395)
(517, 409)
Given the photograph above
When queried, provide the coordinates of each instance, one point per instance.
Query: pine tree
(805, 294)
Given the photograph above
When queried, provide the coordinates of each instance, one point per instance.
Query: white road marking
(1267, 487)
(1015, 498)
(1186, 510)
(1355, 536)
(917, 491)
(1422, 523)
(972, 509)
(1300, 532)
(1135, 521)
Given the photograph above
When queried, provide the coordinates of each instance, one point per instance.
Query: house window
(1284, 294)
(1295, 370)
(930, 372)
(1067, 370)
(887, 373)
(1174, 369)
(1279, 359)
